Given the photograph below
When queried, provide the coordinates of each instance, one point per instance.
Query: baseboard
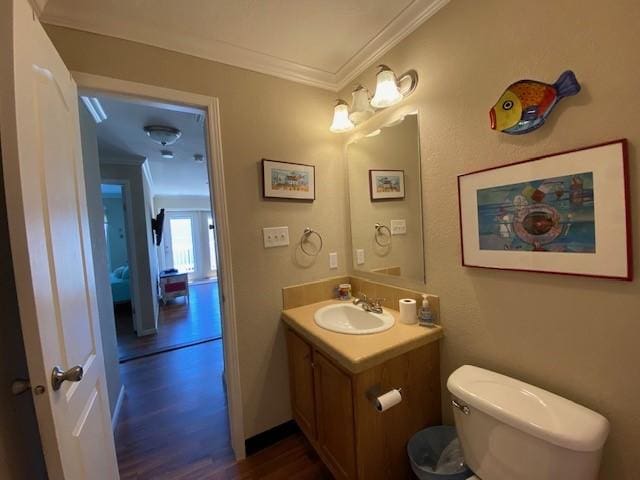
(273, 435)
(116, 409)
(148, 331)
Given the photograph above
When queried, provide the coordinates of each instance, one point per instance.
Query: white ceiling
(322, 43)
(123, 131)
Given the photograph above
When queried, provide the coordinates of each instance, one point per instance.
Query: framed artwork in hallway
(293, 181)
(565, 213)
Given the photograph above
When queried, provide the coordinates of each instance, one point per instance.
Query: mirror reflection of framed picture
(386, 184)
(288, 180)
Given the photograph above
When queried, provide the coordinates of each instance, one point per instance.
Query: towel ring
(305, 238)
(379, 228)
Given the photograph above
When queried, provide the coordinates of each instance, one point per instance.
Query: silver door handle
(74, 374)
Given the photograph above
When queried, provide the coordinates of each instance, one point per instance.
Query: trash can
(435, 454)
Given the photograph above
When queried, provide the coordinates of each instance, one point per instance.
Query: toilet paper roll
(408, 312)
(388, 400)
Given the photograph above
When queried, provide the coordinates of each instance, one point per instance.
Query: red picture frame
(470, 257)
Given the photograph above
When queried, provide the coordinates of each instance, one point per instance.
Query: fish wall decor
(525, 105)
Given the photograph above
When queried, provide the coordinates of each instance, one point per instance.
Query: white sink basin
(352, 319)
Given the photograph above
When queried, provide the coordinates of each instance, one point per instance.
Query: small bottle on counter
(344, 291)
(425, 315)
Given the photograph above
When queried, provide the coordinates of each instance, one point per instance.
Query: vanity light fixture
(341, 122)
(361, 109)
(390, 90)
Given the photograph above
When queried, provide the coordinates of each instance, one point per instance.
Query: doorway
(188, 243)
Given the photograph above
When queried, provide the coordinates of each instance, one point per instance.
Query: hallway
(180, 323)
(173, 424)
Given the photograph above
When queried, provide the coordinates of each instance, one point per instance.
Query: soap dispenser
(425, 315)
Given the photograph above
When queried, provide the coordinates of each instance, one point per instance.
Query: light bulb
(387, 91)
(341, 122)
(361, 110)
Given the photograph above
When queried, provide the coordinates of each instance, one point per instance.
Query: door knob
(74, 374)
(20, 386)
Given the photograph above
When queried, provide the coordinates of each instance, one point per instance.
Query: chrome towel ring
(380, 228)
(305, 239)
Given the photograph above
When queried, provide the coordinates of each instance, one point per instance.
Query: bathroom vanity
(335, 379)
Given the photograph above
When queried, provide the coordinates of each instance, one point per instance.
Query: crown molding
(38, 6)
(108, 157)
(415, 14)
(396, 31)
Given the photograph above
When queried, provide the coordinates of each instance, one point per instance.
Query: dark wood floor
(179, 323)
(173, 425)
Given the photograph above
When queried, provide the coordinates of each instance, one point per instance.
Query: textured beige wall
(395, 148)
(262, 117)
(575, 336)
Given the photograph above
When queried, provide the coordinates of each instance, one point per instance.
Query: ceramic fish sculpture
(525, 105)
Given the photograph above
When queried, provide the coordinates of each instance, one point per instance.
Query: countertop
(358, 353)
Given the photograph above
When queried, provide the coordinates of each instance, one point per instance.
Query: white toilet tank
(510, 430)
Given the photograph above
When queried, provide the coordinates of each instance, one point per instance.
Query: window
(182, 249)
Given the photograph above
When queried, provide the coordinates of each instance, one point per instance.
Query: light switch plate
(275, 237)
(398, 227)
(333, 260)
(359, 256)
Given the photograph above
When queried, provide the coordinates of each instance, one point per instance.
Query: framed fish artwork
(525, 105)
(565, 213)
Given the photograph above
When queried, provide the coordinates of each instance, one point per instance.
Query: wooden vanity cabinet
(334, 414)
(333, 408)
(301, 381)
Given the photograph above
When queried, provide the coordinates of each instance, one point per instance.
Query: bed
(120, 289)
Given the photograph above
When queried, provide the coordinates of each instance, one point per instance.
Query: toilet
(510, 430)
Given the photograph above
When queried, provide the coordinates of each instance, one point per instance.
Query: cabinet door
(334, 406)
(301, 380)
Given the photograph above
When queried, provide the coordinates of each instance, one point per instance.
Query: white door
(181, 243)
(49, 232)
(212, 265)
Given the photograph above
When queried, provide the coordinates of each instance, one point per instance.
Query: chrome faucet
(373, 306)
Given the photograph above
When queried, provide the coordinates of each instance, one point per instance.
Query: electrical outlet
(275, 237)
(333, 260)
(398, 227)
(359, 256)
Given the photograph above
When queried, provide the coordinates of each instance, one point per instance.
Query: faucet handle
(378, 302)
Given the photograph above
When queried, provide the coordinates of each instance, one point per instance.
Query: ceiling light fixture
(341, 122)
(95, 108)
(162, 134)
(166, 153)
(389, 91)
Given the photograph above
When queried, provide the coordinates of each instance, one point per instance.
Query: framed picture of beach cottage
(294, 181)
(386, 184)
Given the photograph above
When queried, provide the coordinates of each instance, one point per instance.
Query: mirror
(386, 201)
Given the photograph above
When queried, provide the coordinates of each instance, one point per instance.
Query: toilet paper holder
(376, 391)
